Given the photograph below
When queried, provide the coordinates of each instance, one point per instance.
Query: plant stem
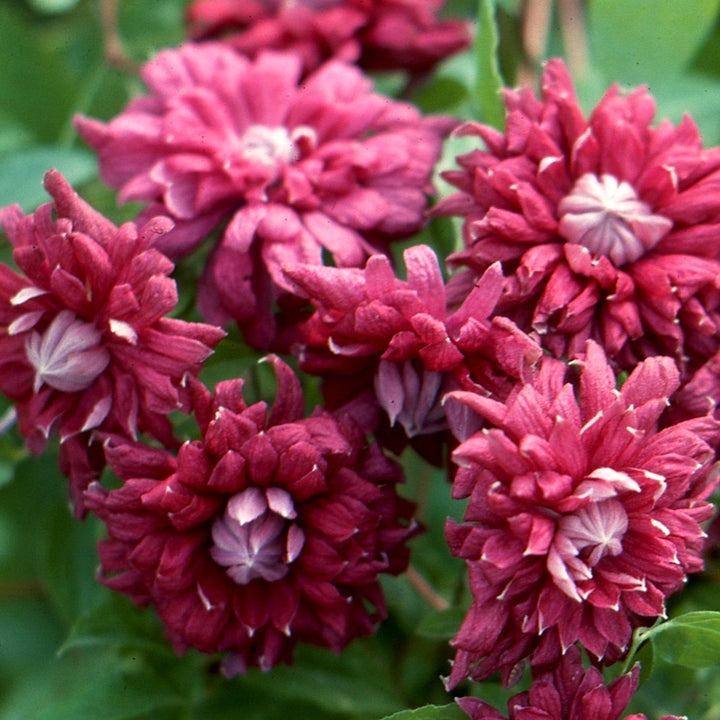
(425, 590)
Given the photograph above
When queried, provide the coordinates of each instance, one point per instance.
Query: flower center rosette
(270, 530)
(582, 517)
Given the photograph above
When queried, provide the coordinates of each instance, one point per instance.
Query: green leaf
(645, 41)
(442, 94)
(430, 712)
(51, 7)
(59, 549)
(357, 683)
(646, 657)
(692, 639)
(21, 173)
(117, 622)
(109, 686)
(489, 81)
(441, 625)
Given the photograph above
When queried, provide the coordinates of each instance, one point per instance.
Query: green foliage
(489, 80)
(430, 712)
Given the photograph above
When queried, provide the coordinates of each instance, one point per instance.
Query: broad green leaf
(645, 41)
(430, 712)
(52, 6)
(441, 625)
(21, 173)
(60, 550)
(37, 84)
(443, 94)
(103, 685)
(358, 682)
(489, 81)
(29, 630)
(692, 639)
(117, 622)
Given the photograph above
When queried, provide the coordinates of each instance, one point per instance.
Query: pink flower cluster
(607, 227)
(269, 530)
(85, 344)
(587, 302)
(567, 692)
(294, 167)
(582, 516)
(376, 34)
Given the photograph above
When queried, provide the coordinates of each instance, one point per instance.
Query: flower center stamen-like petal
(596, 530)
(606, 216)
(68, 355)
(254, 539)
(411, 396)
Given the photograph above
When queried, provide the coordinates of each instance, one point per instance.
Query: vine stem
(425, 590)
(115, 54)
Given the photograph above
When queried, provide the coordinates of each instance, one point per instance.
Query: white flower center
(314, 4)
(254, 538)
(596, 530)
(606, 217)
(68, 355)
(411, 396)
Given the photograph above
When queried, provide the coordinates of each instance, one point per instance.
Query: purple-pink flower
(606, 226)
(377, 34)
(402, 345)
(271, 530)
(567, 692)
(85, 343)
(297, 168)
(582, 517)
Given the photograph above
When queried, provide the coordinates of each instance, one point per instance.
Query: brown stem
(572, 28)
(425, 590)
(115, 55)
(535, 30)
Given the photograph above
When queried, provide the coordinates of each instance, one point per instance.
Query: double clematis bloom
(582, 517)
(606, 227)
(402, 344)
(567, 692)
(85, 343)
(296, 167)
(270, 530)
(376, 34)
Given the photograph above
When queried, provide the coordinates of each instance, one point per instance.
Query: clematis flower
(85, 343)
(296, 169)
(377, 34)
(270, 530)
(583, 517)
(567, 692)
(403, 344)
(606, 227)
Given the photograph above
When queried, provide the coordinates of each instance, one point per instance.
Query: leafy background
(69, 649)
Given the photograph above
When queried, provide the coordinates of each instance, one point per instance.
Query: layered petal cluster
(607, 227)
(376, 34)
(567, 692)
(85, 343)
(400, 340)
(297, 167)
(582, 517)
(270, 530)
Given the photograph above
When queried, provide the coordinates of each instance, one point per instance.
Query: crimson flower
(399, 339)
(607, 227)
(85, 343)
(377, 34)
(270, 530)
(297, 167)
(567, 692)
(582, 517)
